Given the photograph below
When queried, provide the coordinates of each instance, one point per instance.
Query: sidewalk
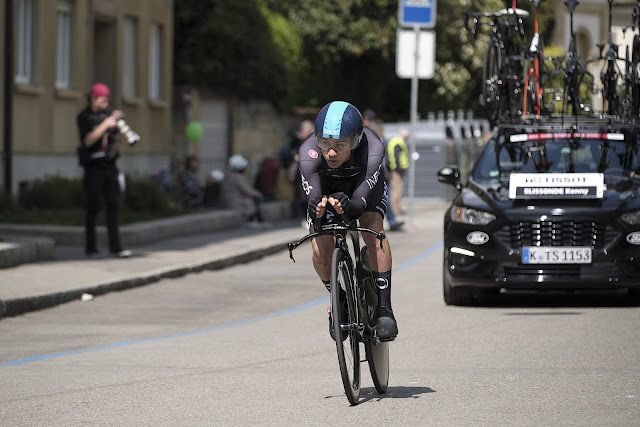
(71, 274)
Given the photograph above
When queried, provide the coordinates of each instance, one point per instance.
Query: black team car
(553, 206)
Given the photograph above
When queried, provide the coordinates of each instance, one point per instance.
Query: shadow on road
(400, 392)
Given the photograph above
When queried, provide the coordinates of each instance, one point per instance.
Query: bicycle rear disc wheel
(377, 353)
(378, 358)
(348, 350)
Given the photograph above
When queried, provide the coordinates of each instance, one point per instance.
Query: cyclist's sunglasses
(339, 145)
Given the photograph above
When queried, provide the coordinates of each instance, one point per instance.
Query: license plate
(556, 255)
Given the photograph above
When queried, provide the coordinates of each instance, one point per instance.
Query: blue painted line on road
(309, 304)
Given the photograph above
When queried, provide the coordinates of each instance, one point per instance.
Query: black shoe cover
(386, 326)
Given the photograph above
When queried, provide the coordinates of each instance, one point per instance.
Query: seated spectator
(192, 190)
(236, 194)
(212, 188)
(267, 177)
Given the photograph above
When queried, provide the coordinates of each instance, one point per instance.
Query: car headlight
(471, 216)
(631, 218)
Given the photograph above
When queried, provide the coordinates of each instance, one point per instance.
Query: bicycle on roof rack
(611, 72)
(534, 103)
(502, 75)
(350, 273)
(631, 97)
(575, 73)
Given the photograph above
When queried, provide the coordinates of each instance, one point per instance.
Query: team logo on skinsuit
(305, 185)
(313, 154)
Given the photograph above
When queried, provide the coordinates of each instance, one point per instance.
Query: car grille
(557, 233)
(551, 270)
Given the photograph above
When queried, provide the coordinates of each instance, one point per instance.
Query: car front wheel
(455, 296)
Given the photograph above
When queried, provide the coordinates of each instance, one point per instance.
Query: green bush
(8, 203)
(52, 192)
(59, 200)
(144, 194)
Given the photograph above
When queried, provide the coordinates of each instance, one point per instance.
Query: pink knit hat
(99, 89)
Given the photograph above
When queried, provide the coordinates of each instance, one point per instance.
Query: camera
(127, 132)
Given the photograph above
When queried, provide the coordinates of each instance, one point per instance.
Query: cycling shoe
(386, 326)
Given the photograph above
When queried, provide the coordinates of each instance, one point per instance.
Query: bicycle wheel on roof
(492, 82)
(635, 76)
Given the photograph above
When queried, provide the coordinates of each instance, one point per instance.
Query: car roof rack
(578, 122)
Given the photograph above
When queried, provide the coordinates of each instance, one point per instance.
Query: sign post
(416, 14)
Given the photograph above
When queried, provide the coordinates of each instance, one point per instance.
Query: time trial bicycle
(356, 323)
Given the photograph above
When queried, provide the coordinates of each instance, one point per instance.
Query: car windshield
(610, 154)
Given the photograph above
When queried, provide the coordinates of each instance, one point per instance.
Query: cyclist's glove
(313, 205)
(355, 207)
(342, 198)
(351, 207)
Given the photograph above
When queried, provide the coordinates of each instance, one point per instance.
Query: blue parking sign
(421, 13)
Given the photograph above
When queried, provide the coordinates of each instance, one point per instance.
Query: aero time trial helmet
(339, 120)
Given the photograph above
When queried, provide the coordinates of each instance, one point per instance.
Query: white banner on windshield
(556, 186)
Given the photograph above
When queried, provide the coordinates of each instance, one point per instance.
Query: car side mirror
(450, 175)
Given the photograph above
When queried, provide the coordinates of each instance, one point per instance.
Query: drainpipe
(8, 93)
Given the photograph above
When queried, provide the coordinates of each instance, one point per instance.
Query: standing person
(376, 126)
(348, 177)
(368, 118)
(97, 127)
(236, 194)
(290, 163)
(192, 188)
(398, 154)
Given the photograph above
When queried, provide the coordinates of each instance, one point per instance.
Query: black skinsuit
(361, 177)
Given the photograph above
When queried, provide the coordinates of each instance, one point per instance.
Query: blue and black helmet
(339, 120)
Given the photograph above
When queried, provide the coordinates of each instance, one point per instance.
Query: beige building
(60, 48)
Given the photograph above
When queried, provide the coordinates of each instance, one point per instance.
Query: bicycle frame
(611, 72)
(502, 82)
(366, 313)
(631, 101)
(574, 72)
(536, 53)
(358, 326)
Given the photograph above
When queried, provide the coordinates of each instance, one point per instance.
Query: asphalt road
(249, 345)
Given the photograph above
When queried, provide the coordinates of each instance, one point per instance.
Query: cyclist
(342, 171)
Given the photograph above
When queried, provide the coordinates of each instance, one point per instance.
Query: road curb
(17, 306)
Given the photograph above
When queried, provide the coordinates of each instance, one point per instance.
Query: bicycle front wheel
(345, 322)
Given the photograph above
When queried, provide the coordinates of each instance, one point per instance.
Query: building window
(24, 42)
(155, 63)
(130, 59)
(63, 54)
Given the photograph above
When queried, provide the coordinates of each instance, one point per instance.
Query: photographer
(99, 134)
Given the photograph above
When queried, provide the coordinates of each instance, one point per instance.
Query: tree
(239, 48)
(310, 52)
